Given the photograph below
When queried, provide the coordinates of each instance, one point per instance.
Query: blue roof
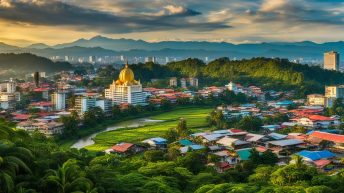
(285, 102)
(277, 136)
(309, 132)
(316, 155)
(197, 147)
(244, 154)
(185, 142)
(159, 140)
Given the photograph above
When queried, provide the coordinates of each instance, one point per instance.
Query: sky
(23, 22)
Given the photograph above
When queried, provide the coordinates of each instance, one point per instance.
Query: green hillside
(27, 63)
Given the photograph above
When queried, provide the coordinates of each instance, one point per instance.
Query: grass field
(195, 117)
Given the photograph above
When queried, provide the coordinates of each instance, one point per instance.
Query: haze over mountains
(103, 46)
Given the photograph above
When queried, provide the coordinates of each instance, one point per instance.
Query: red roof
(224, 165)
(320, 118)
(21, 116)
(322, 163)
(327, 136)
(236, 130)
(41, 103)
(261, 149)
(41, 89)
(122, 147)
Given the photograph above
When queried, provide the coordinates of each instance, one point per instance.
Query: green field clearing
(195, 117)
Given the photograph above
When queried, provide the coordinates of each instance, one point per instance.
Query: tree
(182, 128)
(68, 178)
(12, 162)
(70, 123)
(93, 115)
(153, 155)
(250, 124)
(193, 161)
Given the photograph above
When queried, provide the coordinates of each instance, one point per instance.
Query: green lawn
(195, 117)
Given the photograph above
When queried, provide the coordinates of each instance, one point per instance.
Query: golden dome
(126, 76)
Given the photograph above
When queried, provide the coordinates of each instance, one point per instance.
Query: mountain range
(103, 46)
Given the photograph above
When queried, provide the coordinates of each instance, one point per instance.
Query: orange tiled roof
(327, 136)
(122, 147)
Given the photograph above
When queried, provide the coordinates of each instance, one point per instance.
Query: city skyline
(25, 22)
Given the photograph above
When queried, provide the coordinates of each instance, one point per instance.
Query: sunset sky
(238, 21)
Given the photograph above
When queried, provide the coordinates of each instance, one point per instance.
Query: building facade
(334, 91)
(173, 81)
(331, 60)
(193, 82)
(59, 100)
(316, 100)
(126, 89)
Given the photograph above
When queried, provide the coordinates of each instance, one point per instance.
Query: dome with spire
(126, 77)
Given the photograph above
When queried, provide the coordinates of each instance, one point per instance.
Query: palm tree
(69, 178)
(298, 161)
(12, 162)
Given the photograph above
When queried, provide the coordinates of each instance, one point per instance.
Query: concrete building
(59, 100)
(183, 82)
(126, 89)
(173, 81)
(92, 59)
(232, 87)
(11, 86)
(316, 100)
(331, 60)
(334, 91)
(84, 103)
(150, 59)
(193, 82)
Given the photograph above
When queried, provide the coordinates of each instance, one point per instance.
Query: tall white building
(84, 103)
(331, 60)
(11, 86)
(126, 89)
(59, 100)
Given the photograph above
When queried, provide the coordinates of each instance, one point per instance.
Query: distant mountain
(38, 46)
(103, 46)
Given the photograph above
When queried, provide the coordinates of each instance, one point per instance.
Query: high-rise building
(334, 91)
(59, 100)
(331, 60)
(126, 89)
(173, 81)
(84, 103)
(150, 59)
(92, 59)
(11, 86)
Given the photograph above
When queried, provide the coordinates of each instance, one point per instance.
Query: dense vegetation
(270, 73)
(36, 164)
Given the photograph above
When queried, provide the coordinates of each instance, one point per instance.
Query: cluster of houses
(320, 149)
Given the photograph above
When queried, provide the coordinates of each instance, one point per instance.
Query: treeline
(29, 63)
(33, 163)
(279, 74)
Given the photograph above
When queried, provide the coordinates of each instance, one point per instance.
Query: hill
(28, 63)
(278, 74)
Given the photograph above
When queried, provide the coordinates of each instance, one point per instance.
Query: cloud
(50, 13)
(298, 12)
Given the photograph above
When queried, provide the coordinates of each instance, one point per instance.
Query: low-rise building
(47, 128)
